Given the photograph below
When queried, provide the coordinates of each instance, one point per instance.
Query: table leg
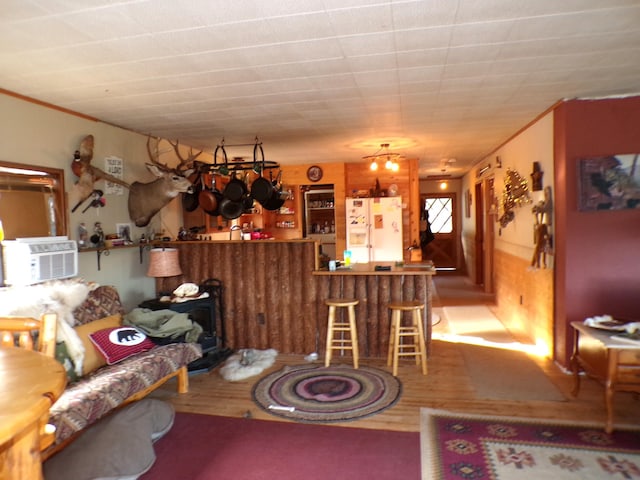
(575, 365)
(609, 390)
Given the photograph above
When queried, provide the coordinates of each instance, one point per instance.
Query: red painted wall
(597, 253)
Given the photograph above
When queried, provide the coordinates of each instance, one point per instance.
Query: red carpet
(204, 447)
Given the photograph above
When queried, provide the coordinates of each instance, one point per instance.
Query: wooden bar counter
(274, 294)
(376, 289)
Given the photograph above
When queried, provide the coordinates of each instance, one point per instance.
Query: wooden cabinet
(286, 222)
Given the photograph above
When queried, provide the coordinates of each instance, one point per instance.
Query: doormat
(311, 393)
(465, 446)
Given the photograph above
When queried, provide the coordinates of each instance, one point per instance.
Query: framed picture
(609, 182)
(124, 231)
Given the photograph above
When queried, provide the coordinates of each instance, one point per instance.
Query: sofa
(106, 387)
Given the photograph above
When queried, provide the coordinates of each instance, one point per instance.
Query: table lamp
(163, 262)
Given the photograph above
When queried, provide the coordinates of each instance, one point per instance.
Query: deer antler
(185, 163)
(155, 155)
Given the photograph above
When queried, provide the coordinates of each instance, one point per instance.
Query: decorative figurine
(83, 236)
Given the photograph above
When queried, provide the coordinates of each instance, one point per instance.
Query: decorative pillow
(93, 359)
(118, 343)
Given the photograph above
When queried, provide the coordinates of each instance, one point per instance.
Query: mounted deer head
(146, 199)
(87, 174)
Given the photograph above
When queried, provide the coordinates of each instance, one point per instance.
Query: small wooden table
(614, 363)
(31, 382)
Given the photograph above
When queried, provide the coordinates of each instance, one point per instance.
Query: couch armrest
(101, 302)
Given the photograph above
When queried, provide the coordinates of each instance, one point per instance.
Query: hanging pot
(190, 199)
(278, 197)
(214, 197)
(207, 199)
(235, 189)
(276, 201)
(230, 209)
(247, 202)
(261, 188)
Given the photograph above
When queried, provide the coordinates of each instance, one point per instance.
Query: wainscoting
(524, 298)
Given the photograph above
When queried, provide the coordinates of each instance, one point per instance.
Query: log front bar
(274, 294)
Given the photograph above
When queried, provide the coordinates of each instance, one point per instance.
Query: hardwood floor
(447, 385)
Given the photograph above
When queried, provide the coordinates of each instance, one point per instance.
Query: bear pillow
(118, 343)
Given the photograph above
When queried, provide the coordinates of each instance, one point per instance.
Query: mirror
(32, 201)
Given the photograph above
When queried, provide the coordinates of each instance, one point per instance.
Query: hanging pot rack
(227, 167)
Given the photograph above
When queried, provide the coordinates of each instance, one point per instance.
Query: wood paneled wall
(359, 177)
(273, 300)
(375, 292)
(524, 298)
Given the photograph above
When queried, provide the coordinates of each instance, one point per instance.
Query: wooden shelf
(107, 250)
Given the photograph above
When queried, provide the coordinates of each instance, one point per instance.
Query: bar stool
(413, 331)
(342, 326)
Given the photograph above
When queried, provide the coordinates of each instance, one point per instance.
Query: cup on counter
(347, 258)
(332, 265)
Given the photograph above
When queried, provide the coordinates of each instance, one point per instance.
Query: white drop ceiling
(322, 80)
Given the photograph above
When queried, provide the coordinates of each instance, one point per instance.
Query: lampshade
(164, 262)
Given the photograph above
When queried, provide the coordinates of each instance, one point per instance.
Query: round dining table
(30, 382)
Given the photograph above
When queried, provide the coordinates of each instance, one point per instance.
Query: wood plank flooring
(447, 386)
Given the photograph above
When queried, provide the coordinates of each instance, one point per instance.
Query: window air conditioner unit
(33, 260)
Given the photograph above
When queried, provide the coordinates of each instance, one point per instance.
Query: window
(440, 211)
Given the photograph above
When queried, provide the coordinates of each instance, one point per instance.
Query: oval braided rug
(312, 393)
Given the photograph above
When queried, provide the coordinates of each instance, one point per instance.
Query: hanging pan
(278, 197)
(261, 188)
(190, 199)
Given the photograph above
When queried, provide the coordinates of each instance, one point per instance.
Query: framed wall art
(609, 182)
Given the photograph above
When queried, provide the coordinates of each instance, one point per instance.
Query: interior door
(442, 211)
(489, 239)
(479, 239)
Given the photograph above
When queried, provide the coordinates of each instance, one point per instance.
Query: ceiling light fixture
(390, 159)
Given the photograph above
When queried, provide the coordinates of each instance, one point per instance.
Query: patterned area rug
(311, 393)
(465, 447)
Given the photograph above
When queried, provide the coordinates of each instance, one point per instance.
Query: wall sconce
(390, 159)
(444, 185)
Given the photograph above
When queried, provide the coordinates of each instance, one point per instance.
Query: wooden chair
(19, 332)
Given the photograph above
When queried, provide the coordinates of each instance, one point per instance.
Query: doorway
(441, 211)
(484, 237)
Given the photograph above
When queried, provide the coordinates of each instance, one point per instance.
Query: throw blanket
(61, 297)
(163, 324)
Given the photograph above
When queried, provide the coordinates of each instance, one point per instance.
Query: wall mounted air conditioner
(33, 260)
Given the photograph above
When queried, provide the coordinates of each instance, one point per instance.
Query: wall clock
(314, 173)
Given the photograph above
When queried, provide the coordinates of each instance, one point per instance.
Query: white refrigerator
(374, 229)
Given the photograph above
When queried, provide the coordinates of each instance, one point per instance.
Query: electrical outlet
(261, 319)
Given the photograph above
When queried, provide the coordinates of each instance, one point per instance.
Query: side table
(614, 363)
